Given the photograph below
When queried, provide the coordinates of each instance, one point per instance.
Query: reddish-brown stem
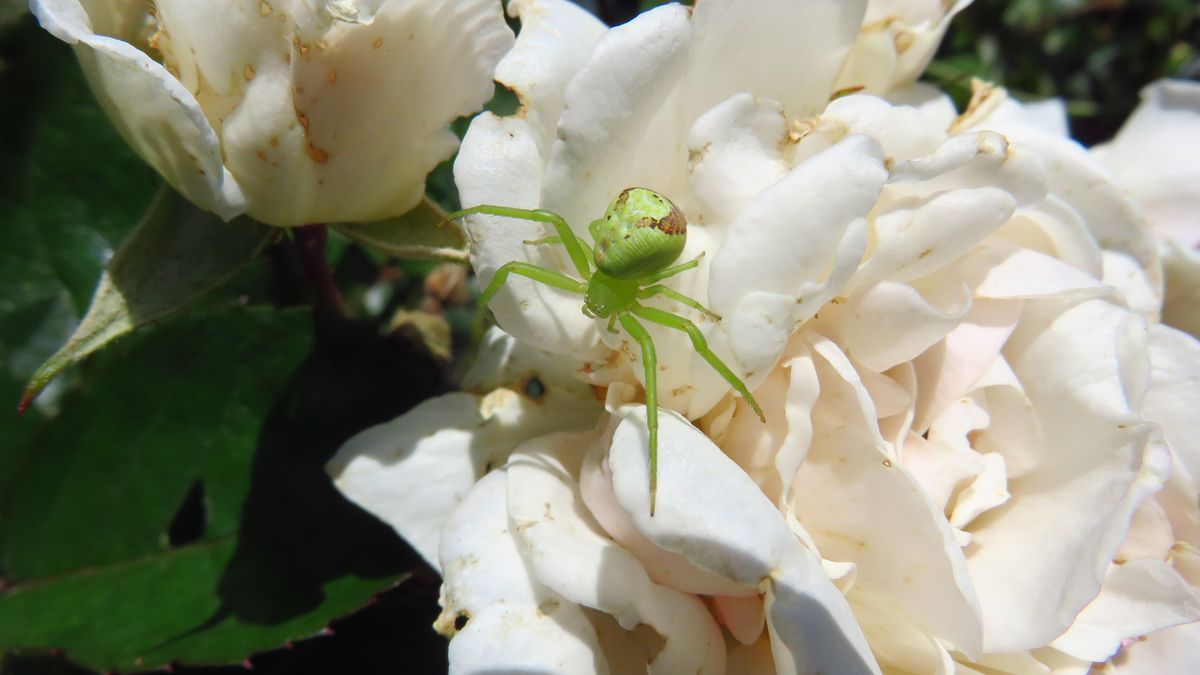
(310, 243)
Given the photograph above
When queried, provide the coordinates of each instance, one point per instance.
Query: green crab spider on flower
(635, 243)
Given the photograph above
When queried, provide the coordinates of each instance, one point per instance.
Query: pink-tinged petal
(157, 116)
(413, 471)
(1137, 598)
(947, 370)
(742, 616)
(742, 537)
(615, 130)
(566, 549)
(862, 506)
(1153, 157)
(1079, 366)
(512, 623)
(740, 45)
(555, 40)
(734, 154)
(1168, 650)
(499, 163)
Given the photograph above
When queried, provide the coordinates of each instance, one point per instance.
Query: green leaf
(175, 255)
(70, 191)
(177, 509)
(421, 234)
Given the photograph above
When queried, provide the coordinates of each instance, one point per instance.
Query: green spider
(640, 235)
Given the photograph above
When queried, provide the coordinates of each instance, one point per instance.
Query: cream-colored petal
(1130, 253)
(611, 134)
(499, 163)
(157, 116)
(772, 268)
(741, 537)
(896, 42)
(566, 550)
(887, 323)
(555, 40)
(1079, 366)
(1137, 598)
(513, 623)
(665, 567)
(862, 506)
(1174, 396)
(787, 51)
(1168, 650)
(896, 639)
(1153, 157)
(332, 162)
(734, 153)
(947, 370)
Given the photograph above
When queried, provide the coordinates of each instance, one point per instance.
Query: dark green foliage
(1095, 54)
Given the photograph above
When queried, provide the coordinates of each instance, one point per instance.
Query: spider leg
(659, 289)
(650, 363)
(679, 323)
(673, 270)
(574, 249)
(541, 274)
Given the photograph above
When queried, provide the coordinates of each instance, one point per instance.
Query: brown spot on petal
(378, 43)
(332, 76)
(316, 154)
(249, 72)
(264, 8)
(262, 154)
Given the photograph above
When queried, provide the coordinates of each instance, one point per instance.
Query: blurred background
(163, 505)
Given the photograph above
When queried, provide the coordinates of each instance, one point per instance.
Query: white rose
(949, 320)
(293, 111)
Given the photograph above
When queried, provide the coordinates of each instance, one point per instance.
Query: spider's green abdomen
(642, 232)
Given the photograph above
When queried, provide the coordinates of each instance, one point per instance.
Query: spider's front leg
(650, 363)
(545, 276)
(575, 248)
(701, 345)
